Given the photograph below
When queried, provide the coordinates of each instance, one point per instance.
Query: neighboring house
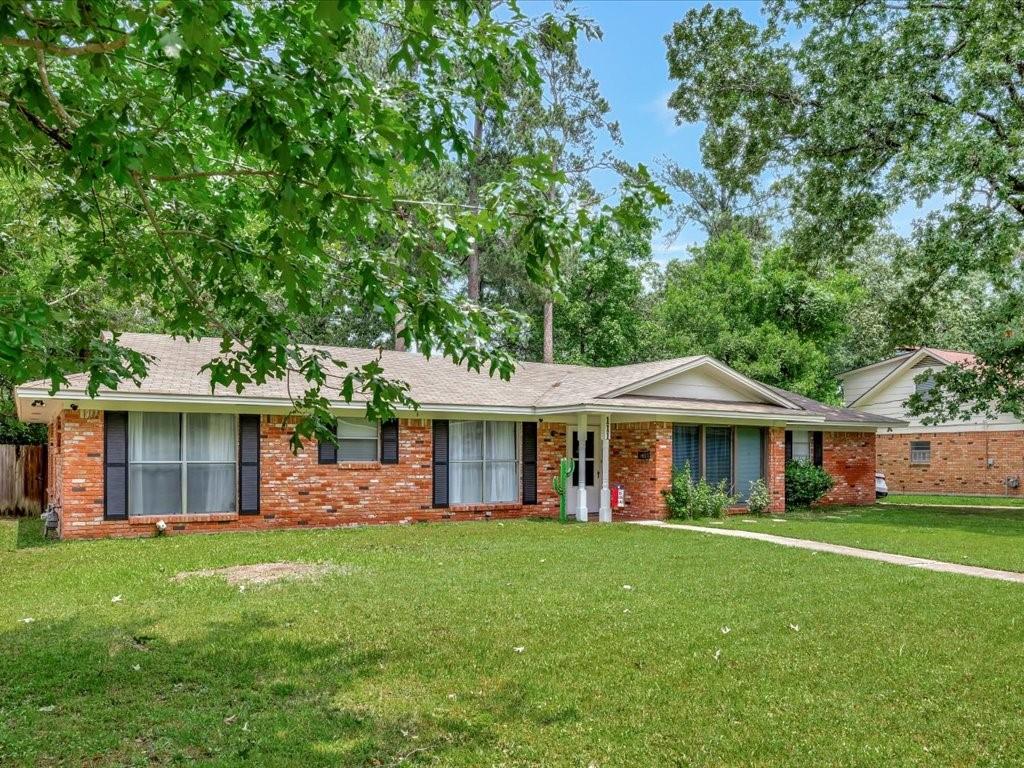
(478, 446)
(978, 456)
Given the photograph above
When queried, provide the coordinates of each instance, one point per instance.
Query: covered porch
(640, 455)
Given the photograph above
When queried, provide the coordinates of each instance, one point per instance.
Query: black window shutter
(789, 445)
(115, 465)
(249, 464)
(819, 448)
(389, 441)
(440, 462)
(327, 453)
(529, 462)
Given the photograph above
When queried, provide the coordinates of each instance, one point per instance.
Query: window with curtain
(482, 462)
(181, 463)
(803, 445)
(357, 440)
(718, 456)
(686, 449)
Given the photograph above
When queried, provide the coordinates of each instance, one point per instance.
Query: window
(718, 456)
(686, 449)
(920, 452)
(482, 462)
(588, 459)
(925, 385)
(357, 440)
(802, 445)
(181, 462)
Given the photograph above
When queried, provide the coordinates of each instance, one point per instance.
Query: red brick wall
(78, 476)
(850, 458)
(775, 465)
(294, 489)
(960, 462)
(297, 491)
(643, 479)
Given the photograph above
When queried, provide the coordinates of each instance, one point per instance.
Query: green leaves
(875, 106)
(234, 169)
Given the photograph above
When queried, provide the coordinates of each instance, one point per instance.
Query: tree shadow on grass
(30, 533)
(244, 691)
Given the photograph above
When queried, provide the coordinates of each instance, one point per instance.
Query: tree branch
(942, 98)
(38, 123)
(86, 49)
(182, 279)
(50, 95)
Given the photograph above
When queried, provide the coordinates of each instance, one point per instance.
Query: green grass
(955, 501)
(991, 538)
(410, 658)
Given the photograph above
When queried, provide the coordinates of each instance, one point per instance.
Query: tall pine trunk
(549, 330)
(473, 195)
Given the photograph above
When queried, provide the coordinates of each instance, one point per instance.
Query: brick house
(980, 456)
(173, 450)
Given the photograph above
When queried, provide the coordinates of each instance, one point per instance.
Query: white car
(881, 489)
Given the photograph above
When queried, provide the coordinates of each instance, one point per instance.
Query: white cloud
(664, 252)
(664, 115)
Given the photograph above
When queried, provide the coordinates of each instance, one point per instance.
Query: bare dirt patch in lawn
(259, 574)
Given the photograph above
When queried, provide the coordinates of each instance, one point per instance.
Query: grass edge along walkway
(923, 563)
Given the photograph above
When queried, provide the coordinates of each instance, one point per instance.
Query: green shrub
(686, 499)
(806, 483)
(760, 499)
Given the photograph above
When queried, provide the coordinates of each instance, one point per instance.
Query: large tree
(876, 104)
(564, 120)
(235, 165)
(770, 317)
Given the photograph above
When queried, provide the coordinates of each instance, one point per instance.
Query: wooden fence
(22, 479)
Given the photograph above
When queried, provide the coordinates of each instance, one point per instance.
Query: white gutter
(236, 401)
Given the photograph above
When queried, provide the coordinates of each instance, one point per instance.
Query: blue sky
(629, 64)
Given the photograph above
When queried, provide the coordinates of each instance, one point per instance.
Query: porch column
(605, 514)
(580, 457)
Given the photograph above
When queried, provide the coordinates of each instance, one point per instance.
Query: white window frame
(483, 461)
(919, 455)
(183, 462)
(361, 422)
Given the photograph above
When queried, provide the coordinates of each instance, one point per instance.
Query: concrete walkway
(838, 549)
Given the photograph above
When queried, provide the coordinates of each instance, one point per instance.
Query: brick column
(776, 468)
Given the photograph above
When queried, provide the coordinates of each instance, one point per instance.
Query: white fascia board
(863, 368)
(938, 429)
(691, 414)
(135, 400)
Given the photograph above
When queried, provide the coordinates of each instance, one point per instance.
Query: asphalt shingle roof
(437, 382)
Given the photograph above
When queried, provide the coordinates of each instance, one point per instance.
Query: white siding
(703, 383)
(891, 401)
(856, 383)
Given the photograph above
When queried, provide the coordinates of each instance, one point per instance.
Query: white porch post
(605, 513)
(580, 457)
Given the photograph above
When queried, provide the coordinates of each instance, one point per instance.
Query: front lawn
(508, 644)
(955, 501)
(991, 538)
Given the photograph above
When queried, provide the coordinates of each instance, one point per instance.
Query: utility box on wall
(618, 494)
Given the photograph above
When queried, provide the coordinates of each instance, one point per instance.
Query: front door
(590, 473)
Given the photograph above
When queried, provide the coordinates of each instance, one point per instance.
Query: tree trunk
(473, 195)
(399, 327)
(549, 330)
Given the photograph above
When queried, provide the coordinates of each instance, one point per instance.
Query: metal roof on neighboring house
(175, 374)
